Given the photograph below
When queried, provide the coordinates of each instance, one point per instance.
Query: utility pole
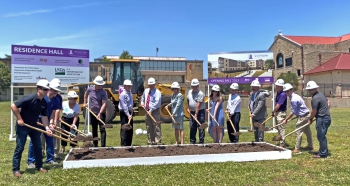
(157, 49)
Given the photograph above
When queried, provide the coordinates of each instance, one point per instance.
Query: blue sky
(190, 29)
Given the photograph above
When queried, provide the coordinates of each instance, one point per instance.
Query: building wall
(332, 83)
(194, 69)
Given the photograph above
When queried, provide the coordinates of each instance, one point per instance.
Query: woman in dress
(70, 115)
(177, 112)
(216, 131)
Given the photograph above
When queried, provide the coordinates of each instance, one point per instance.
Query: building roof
(340, 62)
(301, 40)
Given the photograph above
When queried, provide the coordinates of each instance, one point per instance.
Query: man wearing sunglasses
(302, 113)
(53, 104)
(31, 107)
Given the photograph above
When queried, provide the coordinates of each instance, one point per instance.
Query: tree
(5, 76)
(125, 55)
(269, 64)
(105, 59)
(289, 78)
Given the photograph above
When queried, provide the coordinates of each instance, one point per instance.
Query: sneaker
(296, 151)
(17, 174)
(52, 162)
(31, 166)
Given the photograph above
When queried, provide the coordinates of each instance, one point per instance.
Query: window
(289, 62)
(279, 60)
(127, 71)
(179, 79)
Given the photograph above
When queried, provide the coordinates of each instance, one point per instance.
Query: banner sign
(240, 67)
(31, 63)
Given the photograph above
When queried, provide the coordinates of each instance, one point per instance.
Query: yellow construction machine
(127, 69)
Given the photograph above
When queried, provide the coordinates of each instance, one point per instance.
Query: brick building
(299, 54)
(332, 76)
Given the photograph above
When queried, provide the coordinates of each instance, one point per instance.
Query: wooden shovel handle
(212, 117)
(150, 115)
(295, 130)
(72, 128)
(54, 130)
(196, 120)
(228, 116)
(53, 135)
(276, 126)
(266, 120)
(132, 111)
(170, 114)
(95, 116)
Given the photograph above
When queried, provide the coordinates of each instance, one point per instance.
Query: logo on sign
(70, 52)
(39, 77)
(250, 56)
(80, 61)
(43, 60)
(60, 71)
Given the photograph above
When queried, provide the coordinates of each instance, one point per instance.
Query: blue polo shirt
(53, 104)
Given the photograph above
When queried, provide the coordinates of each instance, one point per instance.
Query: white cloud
(52, 39)
(16, 14)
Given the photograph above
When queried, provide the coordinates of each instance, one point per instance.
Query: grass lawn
(300, 170)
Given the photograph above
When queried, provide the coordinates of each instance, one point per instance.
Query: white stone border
(202, 158)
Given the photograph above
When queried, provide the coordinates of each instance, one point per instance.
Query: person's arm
(15, 112)
(314, 105)
(329, 103)
(217, 106)
(124, 104)
(143, 99)
(200, 99)
(76, 115)
(261, 104)
(178, 103)
(157, 98)
(288, 117)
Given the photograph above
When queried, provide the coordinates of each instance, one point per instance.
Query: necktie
(148, 99)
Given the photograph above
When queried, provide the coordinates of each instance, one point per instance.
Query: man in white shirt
(234, 110)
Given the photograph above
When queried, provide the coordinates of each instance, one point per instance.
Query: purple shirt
(298, 106)
(96, 97)
(281, 99)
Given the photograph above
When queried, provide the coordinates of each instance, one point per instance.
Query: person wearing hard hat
(257, 107)
(56, 121)
(151, 101)
(280, 109)
(320, 111)
(177, 111)
(70, 115)
(97, 104)
(53, 104)
(196, 106)
(302, 113)
(126, 105)
(234, 110)
(216, 131)
(31, 107)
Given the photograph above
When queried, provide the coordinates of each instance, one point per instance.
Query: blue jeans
(194, 125)
(258, 135)
(21, 137)
(322, 124)
(50, 149)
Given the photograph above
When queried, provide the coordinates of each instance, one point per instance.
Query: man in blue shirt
(27, 111)
(280, 109)
(53, 104)
(151, 100)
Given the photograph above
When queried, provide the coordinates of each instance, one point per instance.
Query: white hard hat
(72, 94)
(216, 88)
(255, 83)
(151, 81)
(234, 86)
(127, 82)
(175, 85)
(55, 85)
(56, 80)
(311, 85)
(287, 86)
(43, 83)
(194, 82)
(279, 82)
(99, 80)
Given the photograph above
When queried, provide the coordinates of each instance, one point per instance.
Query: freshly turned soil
(87, 145)
(111, 153)
(86, 138)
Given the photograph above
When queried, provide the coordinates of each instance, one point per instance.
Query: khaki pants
(279, 117)
(56, 141)
(154, 132)
(300, 122)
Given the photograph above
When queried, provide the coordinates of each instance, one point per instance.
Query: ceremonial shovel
(212, 117)
(234, 129)
(104, 124)
(261, 125)
(150, 115)
(128, 126)
(201, 126)
(279, 137)
(175, 122)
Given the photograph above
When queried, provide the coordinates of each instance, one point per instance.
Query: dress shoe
(43, 170)
(318, 156)
(17, 174)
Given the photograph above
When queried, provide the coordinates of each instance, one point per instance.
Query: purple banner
(49, 51)
(241, 80)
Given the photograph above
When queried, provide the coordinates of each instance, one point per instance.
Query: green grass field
(300, 170)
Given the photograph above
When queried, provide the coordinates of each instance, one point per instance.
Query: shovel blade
(236, 133)
(108, 126)
(250, 130)
(277, 138)
(203, 126)
(256, 124)
(126, 127)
